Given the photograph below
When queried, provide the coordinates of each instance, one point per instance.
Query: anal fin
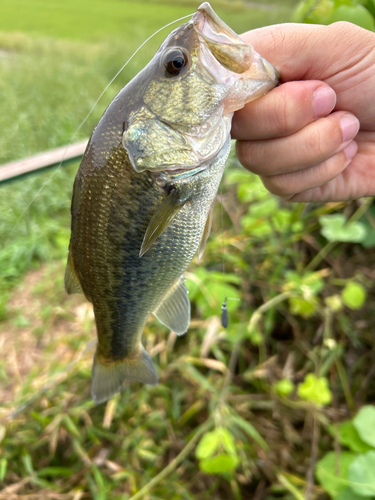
(72, 284)
(206, 231)
(108, 377)
(174, 311)
(161, 219)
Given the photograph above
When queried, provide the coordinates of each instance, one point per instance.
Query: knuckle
(345, 27)
(320, 140)
(284, 117)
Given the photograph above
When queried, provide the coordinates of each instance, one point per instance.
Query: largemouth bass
(143, 195)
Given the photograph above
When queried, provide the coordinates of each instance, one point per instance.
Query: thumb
(310, 51)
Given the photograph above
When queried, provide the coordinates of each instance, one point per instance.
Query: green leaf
(369, 5)
(226, 439)
(256, 227)
(210, 303)
(55, 471)
(354, 295)
(28, 463)
(337, 3)
(238, 176)
(364, 422)
(310, 282)
(367, 220)
(349, 436)
(3, 468)
(71, 427)
(315, 390)
(302, 10)
(255, 336)
(297, 227)
(221, 277)
(281, 220)
(313, 11)
(219, 464)
(321, 13)
(263, 208)
(362, 474)
(284, 387)
(207, 445)
(302, 307)
(251, 189)
(332, 471)
(358, 15)
(193, 286)
(348, 494)
(335, 228)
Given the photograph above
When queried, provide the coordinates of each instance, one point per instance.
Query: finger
(314, 144)
(289, 185)
(307, 51)
(355, 181)
(283, 111)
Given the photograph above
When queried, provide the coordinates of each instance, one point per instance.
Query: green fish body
(143, 195)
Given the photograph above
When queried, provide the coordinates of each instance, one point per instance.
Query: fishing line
(224, 310)
(88, 115)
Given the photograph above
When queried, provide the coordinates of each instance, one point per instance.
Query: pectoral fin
(206, 232)
(109, 377)
(72, 284)
(174, 311)
(161, 220)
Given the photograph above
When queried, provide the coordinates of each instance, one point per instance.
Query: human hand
(299, 137)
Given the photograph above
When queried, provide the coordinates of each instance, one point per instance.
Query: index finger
(283, 111)
(310, 51)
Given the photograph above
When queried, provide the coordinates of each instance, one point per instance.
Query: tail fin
(107, 379)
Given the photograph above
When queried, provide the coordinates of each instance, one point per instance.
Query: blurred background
(276, 406)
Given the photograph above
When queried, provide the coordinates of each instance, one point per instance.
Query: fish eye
(175, 61)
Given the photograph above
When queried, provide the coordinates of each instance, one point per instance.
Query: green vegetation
(132, 22)
(360, 12)
(355, 477)
(246, 412)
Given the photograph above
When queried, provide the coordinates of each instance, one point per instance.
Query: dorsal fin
(161, 219)
(174, 311)
(72, 284)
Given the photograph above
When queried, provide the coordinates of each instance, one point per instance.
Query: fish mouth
(225, 45)
(208, 23)
(248, 73)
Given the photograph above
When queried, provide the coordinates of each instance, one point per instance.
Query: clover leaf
(336, 228)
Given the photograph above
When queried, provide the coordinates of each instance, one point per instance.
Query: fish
(144, 193)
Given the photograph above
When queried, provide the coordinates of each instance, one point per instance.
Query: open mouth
(209, 24)
(250, 75)
(225, 45)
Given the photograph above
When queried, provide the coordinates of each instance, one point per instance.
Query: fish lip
(208, 24)
(211, 32)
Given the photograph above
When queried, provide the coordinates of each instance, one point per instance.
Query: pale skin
(313, 137)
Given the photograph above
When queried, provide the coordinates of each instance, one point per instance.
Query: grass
(48, 87)
(132, 22)
(58, 444)
(290, 321)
